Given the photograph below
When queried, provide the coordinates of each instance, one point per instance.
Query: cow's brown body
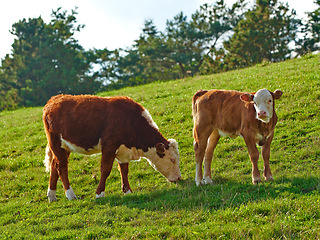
(90, 124)
(230, 113)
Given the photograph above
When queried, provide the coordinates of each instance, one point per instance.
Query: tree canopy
(47, 60)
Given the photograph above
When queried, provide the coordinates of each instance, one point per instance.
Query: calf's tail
(48, 159)
(198, 94)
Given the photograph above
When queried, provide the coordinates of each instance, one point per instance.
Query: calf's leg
(124, 169)
(265, 150)
(254, 157)
(200, 145)
(212, 143)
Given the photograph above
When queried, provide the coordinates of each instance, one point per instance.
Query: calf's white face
(263, 103)
(166, 161)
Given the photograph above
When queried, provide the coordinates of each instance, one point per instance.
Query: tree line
(47, 60)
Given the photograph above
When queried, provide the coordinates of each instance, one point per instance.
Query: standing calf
(230, 113)
(117, 127)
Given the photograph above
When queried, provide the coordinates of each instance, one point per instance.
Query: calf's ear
(247, 97)
(277, 94)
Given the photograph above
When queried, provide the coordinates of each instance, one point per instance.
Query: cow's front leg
(265, 150)
(124, 170)
(107, 160)
(254, 157)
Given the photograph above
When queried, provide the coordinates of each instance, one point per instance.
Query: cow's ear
(277, 94)
(247, 97)
(160, 147)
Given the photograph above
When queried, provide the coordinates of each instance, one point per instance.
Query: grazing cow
(230, 113)
(117, 127)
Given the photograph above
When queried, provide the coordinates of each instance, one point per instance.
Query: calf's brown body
(219, 113)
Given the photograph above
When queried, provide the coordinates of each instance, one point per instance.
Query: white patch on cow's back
(125, 155)
(148, 117)
(74, 148)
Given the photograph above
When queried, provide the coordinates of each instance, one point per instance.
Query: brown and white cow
(117, 127)
(231, 113)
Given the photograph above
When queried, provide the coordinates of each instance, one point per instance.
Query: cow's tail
(194, 100)
(48, 158)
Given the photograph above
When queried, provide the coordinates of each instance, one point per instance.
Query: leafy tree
(184, 43)
(47, 60)
(215, 23)
(311, 32)
(265, 33)
(146, 61)
(9, 97)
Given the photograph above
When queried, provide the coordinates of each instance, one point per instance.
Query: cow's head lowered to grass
(165, 159)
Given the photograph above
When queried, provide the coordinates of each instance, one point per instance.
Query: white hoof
(51, 194)
(199, 182)
(127, 192)
(101, 195)
(256, 181)
(207, 180)
(70, 194)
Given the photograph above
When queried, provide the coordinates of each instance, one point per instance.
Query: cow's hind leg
(63, 173)
(124, 170)
(59, 167)
(50, 164)
(212, 143)
(107, 160)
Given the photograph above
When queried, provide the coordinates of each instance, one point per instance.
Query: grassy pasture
(231, 208)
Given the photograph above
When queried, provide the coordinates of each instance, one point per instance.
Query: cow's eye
(172, 160)
(270, 101)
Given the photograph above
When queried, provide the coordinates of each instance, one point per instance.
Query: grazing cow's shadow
(223, 193)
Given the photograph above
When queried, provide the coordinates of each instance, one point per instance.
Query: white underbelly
(74, 148)
(227, 134)
(123, 154)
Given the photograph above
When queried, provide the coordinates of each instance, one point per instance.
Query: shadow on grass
(224, 193)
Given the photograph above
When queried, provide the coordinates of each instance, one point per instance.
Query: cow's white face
(263, 103)
(166, 161)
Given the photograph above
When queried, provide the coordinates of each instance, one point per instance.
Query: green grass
(231, 208)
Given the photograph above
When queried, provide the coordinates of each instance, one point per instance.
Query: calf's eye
(172, 160)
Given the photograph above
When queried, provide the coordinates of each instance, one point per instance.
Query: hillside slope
(232, 207)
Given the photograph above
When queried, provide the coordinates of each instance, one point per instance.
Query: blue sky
(111, 24)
